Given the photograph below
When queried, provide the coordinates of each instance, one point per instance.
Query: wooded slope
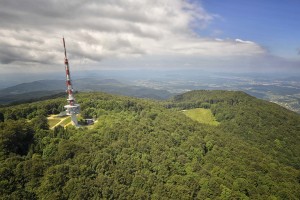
(144, 149)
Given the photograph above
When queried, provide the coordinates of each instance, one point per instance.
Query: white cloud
(31, 31)
(244, 41)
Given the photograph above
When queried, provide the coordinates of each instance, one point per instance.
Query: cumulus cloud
(31, 31)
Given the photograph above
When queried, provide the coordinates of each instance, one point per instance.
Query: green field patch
(201, 115)
(65, 121)
(52, 122)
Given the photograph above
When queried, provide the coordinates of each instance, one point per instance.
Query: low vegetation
(53, 121)
(201, 115)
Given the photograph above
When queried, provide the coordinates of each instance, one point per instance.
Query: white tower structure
(72, 108)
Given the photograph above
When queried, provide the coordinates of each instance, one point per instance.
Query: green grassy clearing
(202, 115)
(66, 121)
(53, 122)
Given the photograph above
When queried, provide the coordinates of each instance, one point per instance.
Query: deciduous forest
(147, 149)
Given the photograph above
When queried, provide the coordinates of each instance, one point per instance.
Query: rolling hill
(43, 88)
(147, 149)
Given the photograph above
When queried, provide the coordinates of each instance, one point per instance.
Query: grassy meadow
(201, 115)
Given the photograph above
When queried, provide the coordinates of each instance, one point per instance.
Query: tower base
(74, 120)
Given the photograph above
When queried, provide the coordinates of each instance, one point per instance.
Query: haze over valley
(281, 89)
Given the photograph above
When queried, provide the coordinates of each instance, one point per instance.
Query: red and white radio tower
(72, 108)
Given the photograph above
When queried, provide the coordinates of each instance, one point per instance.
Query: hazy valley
(283, 90)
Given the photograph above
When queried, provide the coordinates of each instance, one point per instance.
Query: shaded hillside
(29, 96)
(142, 149)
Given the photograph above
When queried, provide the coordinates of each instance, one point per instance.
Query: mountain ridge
(41, 88)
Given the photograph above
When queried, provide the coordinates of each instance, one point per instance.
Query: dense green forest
(146, 149)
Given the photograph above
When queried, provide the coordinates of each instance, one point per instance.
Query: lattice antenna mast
(72, 108)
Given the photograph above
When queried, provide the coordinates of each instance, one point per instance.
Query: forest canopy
(146, 149)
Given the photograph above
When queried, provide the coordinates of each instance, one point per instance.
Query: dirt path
(67, 124)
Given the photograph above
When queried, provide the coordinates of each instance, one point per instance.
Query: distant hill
(37, 89)
(292, 78)
(147, 149)
(42, 85)
(27, 96)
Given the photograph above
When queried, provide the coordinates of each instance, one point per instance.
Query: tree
(40, 122)
(1, 117)
(15, 137)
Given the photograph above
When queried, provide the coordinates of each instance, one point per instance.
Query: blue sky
(274, 24)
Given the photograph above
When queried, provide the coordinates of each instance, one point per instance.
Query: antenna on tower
(72, 108)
